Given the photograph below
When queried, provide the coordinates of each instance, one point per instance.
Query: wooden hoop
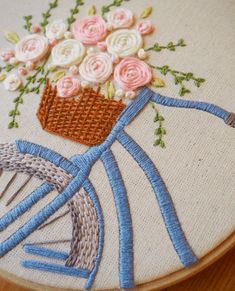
(160, 283)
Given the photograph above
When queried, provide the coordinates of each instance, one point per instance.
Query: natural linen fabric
(198, 165)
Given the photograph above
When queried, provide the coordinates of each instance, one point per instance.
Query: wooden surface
(218, 277)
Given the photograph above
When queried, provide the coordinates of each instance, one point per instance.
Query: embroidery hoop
(158, 284)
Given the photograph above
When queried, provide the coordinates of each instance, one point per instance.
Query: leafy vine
(170, 46)
(160, 130)
(24, 90)
(106, 9)
(73, 12)
(180, 78)
(46, 15)
(28, 22)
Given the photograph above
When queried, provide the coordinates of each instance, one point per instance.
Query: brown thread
(8, 185)
(84, 242)
(54, 219)
(50, 242)
(12, 160)
(87, 120)
(18, 191)
(231, 119)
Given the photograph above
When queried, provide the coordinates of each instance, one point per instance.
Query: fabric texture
(198, 164)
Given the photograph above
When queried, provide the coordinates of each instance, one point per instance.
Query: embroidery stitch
(86, 161)
(126, 253)
(87, 120)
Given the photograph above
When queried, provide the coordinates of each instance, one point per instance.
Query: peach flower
(90, 30)
(145, 27)
(102, 46)
(35, 28)
(31, 48)
(96, 68)
(68, 86)
(7, 55)
(120, 18)
(22, 71)
(131, 73)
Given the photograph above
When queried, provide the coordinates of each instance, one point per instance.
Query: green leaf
(157, 142)
(162, 144)
(11, 37)
(146, 12)
(91, 10)
(157, 83)
(2, 77)
(109, 90)
(56, 76)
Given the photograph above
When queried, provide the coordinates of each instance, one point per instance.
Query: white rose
(12, 82)
(56, 29)
(67, 53)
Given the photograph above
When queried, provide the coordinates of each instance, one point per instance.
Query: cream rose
(120, 18)
(31, 48)
(68, 87)
(56, 29)
(67, 53)
(131, 73)
(90, 30)
(124, 42)
(96, 68)
(12, 82)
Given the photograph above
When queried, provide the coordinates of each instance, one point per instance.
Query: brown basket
(87, 119)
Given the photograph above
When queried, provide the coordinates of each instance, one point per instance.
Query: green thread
(28, 22)
(46, 15)
(106, 9)
(73, 12)
(24, 90)
(170, 46)
(179, 78)
(160, 131)
(7, 68)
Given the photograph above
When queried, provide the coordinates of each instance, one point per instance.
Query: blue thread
(89, 158)
(54, 268)
(203, 106)
(25, 205)
(126, 256)
(25, 147)
(95, 200)
(165, 202)
(32, 224)
(44, 252)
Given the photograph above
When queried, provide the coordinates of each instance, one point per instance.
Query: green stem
(170, 46)
(74, 11)
(28, 22)
(8, 67)
(24, 90)
(106, 9)
(180, 78)
(46, 15)
(160, 131)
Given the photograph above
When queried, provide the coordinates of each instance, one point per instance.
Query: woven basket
(87, 119)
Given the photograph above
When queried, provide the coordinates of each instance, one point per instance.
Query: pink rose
(96, 68)
(35, 28)
(68, 86)
(102, 46)
(131, 73)
(7, 55)
(120, 18)
(22, 71)
(145, 27)
(90, 30)
(33, 48)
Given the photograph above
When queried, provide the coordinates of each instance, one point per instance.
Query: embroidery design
(89, 107)
(87, 120)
